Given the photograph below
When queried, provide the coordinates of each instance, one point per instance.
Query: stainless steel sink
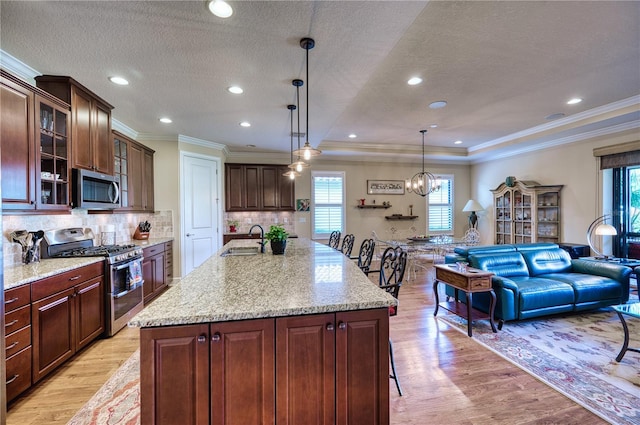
(241, 250)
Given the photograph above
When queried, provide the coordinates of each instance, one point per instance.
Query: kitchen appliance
(123, 271)
(95, 191)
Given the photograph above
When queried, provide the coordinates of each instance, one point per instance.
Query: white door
(200, 209)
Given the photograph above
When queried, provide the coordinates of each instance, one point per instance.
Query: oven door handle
(123, 293)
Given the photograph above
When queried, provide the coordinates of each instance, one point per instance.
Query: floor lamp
(600, 227)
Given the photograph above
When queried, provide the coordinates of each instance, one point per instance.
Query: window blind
(440, 206)
(328, 208)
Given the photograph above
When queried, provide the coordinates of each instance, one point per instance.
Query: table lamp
(473, 206)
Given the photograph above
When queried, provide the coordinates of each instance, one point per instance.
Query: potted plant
(233, 225)
(277, 236)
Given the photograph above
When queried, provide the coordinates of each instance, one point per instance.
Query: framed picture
(385, 187)
(303, 205)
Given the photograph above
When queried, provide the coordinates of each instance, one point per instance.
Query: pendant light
(299, 165)
(423, 183)
(307, 150)
(292, 174)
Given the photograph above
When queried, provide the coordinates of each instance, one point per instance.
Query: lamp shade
(605, 229)
(472, 205)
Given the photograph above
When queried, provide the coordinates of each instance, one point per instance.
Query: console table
(468, 281)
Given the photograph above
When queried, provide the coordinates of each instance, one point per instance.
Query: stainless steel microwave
(95, 191)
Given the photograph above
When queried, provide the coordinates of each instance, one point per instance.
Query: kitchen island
(300, 338)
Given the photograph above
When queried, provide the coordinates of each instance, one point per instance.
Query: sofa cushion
(538, 293)
(548, 261)
(508, 264)
(536, 246)
(468, 250)
(589, 287)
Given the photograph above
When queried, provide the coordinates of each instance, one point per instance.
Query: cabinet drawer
(168, 246)
(18, 341)
(17, 319)
(17, 297)
(18, 373)
(153, 250)
(51, 285)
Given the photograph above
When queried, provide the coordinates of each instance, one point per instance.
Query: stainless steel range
(123, 271)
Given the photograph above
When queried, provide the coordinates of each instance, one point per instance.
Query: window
(440, 206)
(626, 217)
(327, 191)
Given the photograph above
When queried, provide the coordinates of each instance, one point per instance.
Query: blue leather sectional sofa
(538, 279)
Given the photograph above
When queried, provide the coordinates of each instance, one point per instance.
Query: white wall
(572, 165)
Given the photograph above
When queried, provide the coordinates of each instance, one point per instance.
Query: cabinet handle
(11, 346)
(330, 327)
(342, 325)
(12, 300)
(11, 323)
(71, 279)
(216, 337)
(12, 379)
(202, 338)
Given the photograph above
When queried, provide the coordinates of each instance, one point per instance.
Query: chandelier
(307, 151)
(423, 183)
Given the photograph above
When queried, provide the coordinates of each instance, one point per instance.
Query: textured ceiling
(501, 66)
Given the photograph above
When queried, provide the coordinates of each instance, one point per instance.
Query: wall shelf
(373, 206)
(401, 217)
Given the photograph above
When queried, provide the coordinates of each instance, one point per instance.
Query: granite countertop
(310, 278)
(23, 274)
(149, 242)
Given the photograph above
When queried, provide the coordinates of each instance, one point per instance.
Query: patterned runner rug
(575, 354)
(118, 401)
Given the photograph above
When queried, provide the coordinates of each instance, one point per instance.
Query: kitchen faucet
(261, 236)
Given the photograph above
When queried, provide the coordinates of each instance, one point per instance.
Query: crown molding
(631, 104)
(258, 157)
(124, 129)
(18, 68)
(204, 143)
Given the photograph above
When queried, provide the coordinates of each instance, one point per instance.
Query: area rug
(574, 354)
(118, 401)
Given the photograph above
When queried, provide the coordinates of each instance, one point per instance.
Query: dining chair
(391, 273)
(334, 239)
(365, 255)
(347, 244)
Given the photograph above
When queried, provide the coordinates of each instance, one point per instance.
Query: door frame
(219, 176)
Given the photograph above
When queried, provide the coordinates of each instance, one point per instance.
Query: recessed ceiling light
(574, 101)
(434, 126)
(438, 104)
(457, 142)
(554, 116)
(414, 81)
(166, 120)
(353, 136)
(251, 146)
(220, 8)
(235, 90)
(245, 124)
(119, 81)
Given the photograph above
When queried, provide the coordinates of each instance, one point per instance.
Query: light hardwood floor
(447, 378)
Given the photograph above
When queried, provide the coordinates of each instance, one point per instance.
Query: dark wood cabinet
(331, 369)
(133, 165)
(35, 148)
(66, 314)
(154, 272)
(168, 262)
(180, 354)
(219, 373)
(92, 146)
(18, 340)
(256, 187)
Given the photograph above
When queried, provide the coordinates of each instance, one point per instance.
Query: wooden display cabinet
(133, 166)
(527, 212)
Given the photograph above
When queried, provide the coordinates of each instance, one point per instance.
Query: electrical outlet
(248, 220)
(302, 220)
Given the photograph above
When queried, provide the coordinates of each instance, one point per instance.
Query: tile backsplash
(263, 218)
(125, 225)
